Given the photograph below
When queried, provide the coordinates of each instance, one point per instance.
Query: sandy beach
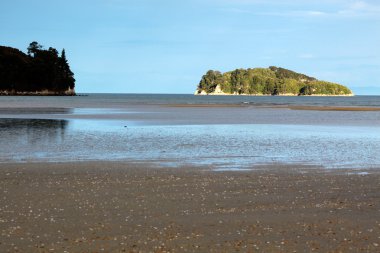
(136, 207)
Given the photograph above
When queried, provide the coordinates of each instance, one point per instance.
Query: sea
(177, 130)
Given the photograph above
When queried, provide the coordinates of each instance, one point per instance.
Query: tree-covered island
(39, 72)
(267, 81)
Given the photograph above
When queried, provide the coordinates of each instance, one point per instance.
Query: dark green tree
(34, 48)
(210, 80)
(37, 71)
(268, 81)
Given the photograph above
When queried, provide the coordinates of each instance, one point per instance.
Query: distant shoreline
(277, 95)
(68, 92)
(291, 107)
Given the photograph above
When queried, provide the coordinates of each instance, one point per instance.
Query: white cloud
(360, 9)
(235, 10)
(331, 8)
(306, 56)
(314, 13)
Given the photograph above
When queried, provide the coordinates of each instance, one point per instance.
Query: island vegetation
(267, 81)
(38, 72)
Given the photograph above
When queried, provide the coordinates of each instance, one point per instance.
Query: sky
(151, 46)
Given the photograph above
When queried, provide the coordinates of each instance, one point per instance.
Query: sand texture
(121, 207)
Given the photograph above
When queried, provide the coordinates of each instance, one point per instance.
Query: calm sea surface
(123, 100)
(166, 130)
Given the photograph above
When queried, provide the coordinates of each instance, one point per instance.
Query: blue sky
(148, 46)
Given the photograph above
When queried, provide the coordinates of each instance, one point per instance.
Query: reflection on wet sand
(336, 108)
(36, 110)
(33, 131)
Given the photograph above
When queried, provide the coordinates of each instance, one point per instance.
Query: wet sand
(336, 108)
(204, 105)
(126, 207)
(295, 107)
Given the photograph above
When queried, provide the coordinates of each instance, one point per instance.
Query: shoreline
(36, 94)
(291, 107)
(69, 92)
(335, 108)
(197, 93)
(199, 105)
(116, 206)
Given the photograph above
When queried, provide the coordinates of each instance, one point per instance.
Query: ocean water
(160, 130)
(124, 100)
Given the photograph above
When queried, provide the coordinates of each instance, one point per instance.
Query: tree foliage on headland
(40, 71)
(267, 81)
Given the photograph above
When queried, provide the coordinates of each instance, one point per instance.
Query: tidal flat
(221, 136)
(178, 173)
(136, 207)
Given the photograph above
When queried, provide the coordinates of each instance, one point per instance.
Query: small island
(39, 72)
(272, 81)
